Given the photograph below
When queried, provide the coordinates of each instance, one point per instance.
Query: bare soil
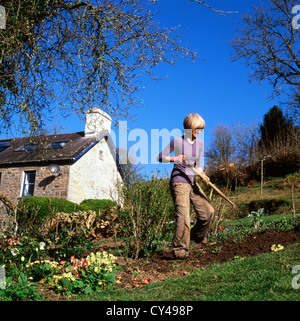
(161, 265)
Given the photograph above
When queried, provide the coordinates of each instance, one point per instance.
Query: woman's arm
(177, 159)
(164, 157)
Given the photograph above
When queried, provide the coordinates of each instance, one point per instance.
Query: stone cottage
(74, 166)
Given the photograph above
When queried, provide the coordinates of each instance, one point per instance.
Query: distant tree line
(237, 151)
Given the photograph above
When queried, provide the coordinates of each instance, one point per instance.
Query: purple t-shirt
(193, 152)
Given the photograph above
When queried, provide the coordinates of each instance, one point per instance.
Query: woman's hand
(205, 179)
(178, 159)
(203, 176)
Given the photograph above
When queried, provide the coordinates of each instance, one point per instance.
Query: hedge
(97, 205)
(35, 209)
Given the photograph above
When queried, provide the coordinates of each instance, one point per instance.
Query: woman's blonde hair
(193, 121)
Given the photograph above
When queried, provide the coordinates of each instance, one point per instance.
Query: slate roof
(60, 147)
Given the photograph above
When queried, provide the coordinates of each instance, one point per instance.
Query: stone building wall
(46, 184)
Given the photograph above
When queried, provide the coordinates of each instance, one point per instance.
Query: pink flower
(62, 262)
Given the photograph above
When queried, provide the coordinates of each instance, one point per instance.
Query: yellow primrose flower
(276, 248)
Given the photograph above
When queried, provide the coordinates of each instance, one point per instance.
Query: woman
(188, 150)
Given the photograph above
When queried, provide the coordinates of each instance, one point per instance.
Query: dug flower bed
(161, 264)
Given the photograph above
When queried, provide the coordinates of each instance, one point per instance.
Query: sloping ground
(161, 265)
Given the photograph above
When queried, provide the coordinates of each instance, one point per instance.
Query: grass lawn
(266, 219)
(267, 277)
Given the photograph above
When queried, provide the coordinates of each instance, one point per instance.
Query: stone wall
(46, 184)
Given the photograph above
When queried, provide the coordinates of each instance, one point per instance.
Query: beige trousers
(182, 194)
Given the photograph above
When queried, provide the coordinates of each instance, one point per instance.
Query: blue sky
(214, 87)
(217, 89)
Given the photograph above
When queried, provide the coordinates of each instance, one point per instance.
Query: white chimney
(96, 121)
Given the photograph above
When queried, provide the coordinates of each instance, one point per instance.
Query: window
(4, 145)
(57, 144)
(26, 147)
(28, 185)
(29, 147)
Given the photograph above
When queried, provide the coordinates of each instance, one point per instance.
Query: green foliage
(293, 178)
(75, 276)
(143, 223)
(68, 243)
(239, 229)
(148, 208)
(19, 290)
(97, 205)
(34, 210)
(18, 250)
(256, 217)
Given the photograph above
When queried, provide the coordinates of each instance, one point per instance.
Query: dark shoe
(181, 256)
(203, 241)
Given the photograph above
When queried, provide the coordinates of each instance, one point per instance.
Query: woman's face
(196, 132)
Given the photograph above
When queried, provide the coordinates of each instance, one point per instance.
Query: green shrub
(34, 210)
(143, 220)
(19, 290)
(97, 205)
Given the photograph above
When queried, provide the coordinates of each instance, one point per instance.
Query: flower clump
(276, 248)
(46, 263)
(238, 257)
(139, 284)
(76, 275)
(101, 261)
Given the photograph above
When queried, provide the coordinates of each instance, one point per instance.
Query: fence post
(2, 17)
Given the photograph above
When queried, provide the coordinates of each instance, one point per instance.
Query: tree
(279, 143)
(75, 54)
(245, 137)
(221, 150)
(68, 55)
(268, 43)
(212, 8)
(132, 170)
(275, 128)
(231, 150)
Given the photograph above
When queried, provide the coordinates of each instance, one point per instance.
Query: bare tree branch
(70, 55)
(73, 55)
(213, 9)
(269, 45)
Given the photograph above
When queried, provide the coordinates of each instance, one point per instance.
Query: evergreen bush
(97, 205)
(34, 210)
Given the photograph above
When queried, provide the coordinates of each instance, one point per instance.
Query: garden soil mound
(161, 265)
